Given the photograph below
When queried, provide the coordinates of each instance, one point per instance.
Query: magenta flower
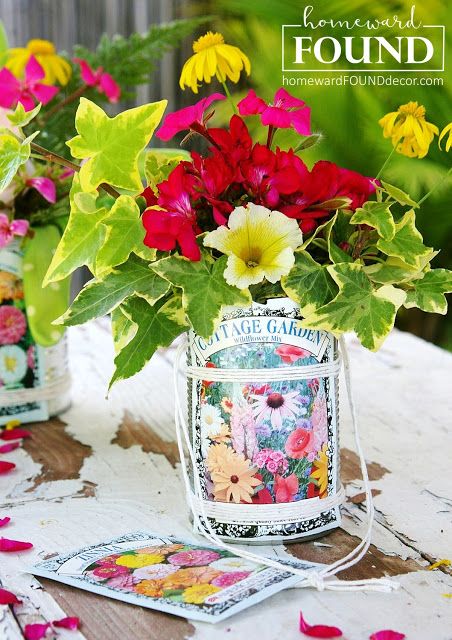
(10, 229)
(44, 186)
(185, 118)
(13, 324)
(25, 91)
(194, 558)
(109, 571)
(230, 578)
(98, 78)
(286, 111)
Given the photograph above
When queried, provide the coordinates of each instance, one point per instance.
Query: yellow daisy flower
(141, 560)
(447, 130)
(56, 68)
(320, 475)
(408, 129)
(260, 244)
(212, 57)
(199, 592)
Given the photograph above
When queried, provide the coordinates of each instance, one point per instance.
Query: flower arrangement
(245, 220)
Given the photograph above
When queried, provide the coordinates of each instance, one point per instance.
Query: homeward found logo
(392, 44)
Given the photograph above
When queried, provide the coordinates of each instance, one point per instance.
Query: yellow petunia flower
(141, 560)
(199, 592)
(320, 475)
(213, 57)
(56, 68)
(410, 133)
(447, 129)
(260, 244)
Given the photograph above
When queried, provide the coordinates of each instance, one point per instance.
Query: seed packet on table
(187, 579)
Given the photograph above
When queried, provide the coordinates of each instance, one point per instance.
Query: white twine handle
(213, 374)
(308, 577)
(36, 394)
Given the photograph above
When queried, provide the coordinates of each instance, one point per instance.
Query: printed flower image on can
(266, 448)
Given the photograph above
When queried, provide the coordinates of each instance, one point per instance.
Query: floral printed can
(34, 380)
(265, 438)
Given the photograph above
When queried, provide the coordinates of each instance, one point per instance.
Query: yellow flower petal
(410, 133)
(55, 67)
(447, 130)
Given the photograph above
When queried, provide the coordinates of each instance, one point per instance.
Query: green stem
(385, 163)
(434, 188)
(231, 101)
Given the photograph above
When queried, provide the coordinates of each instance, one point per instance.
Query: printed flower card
(186, 579)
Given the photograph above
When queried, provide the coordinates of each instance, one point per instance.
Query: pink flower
(243, 429)
(36, 631)
(125, 582)
(286, 488)
(185, 118)
(10, 229)
(31, 357)
(319, 420)
(286, 111)
(6, 448)
(6, 467)
(229, 578)
(72, 623)
(194, 558)
(155, 571)
(318, 630)
(290, 354)
(108, 560)
(10, 546)
(275, 407)
(25, 91)
(297, 444)
(4, 521)
(6, 597)
(273, 461)
(109, 571)
(44, 186)
(98, 78)
(13, 324)
(387, 634)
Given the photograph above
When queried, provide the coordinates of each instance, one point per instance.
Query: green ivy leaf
(123, 329)
(158, 326)
(99, 297)
(377, 215)
(205, 291)
(124, 233)
(428, 293)
(325, 227)
(406, 243)
(358, 307)
(13, 153)
(398, 195)
(393, 271)
(309, 283)
(20, 117)
(82, 238)
(113, 145)
(160, 162)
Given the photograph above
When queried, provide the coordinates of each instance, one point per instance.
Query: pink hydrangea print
(13, 324)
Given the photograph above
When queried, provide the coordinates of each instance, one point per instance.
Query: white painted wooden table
(109, 466)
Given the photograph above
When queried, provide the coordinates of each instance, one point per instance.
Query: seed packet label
(177, 576)
(268, 442)
(21, 359)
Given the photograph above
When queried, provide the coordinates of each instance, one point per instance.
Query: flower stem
(231, 101)
(385, 164)
(435, 187)
(60, 105)
(271, 131)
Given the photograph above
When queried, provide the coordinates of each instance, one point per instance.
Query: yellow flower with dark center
(56, 68)
(320, 475)
(447, 130)
(141, 560)
(234, 479)
(410, 133)
(213, 57)
(199, 592)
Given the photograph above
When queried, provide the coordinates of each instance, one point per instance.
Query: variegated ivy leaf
(406, 243)
(112, 146)
(160, 162)
(428, 293)
(99, 297)
(320, 230)
(358, 307)
(123, 329)
(20, 117)
(124, 234)
(377, 215)
(82, 237)
(13, 153)
(392, 271)
(204, 290)
(398, 195)
(158, 326)
(309, 283)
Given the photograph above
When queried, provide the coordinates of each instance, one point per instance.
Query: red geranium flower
(286, 111)
(185, 118)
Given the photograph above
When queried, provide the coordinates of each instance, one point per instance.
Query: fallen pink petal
(318, 630)
(6, 597)
(6, 448)
(6, 467)
(14, 434)
(71, 623)
(4, 521)
(36, 631)
(9, 546)
(387, 634)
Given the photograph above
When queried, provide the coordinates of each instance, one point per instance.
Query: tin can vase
(263, 423)
(34, 379)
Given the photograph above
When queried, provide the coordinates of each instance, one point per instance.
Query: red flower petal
(6, 466)
(6, 597)
(72, 623)
(4, 521)
(318, 630)
(13, 545)
(15, 434)
(387, 634)
(36, 631)
(6, 448)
